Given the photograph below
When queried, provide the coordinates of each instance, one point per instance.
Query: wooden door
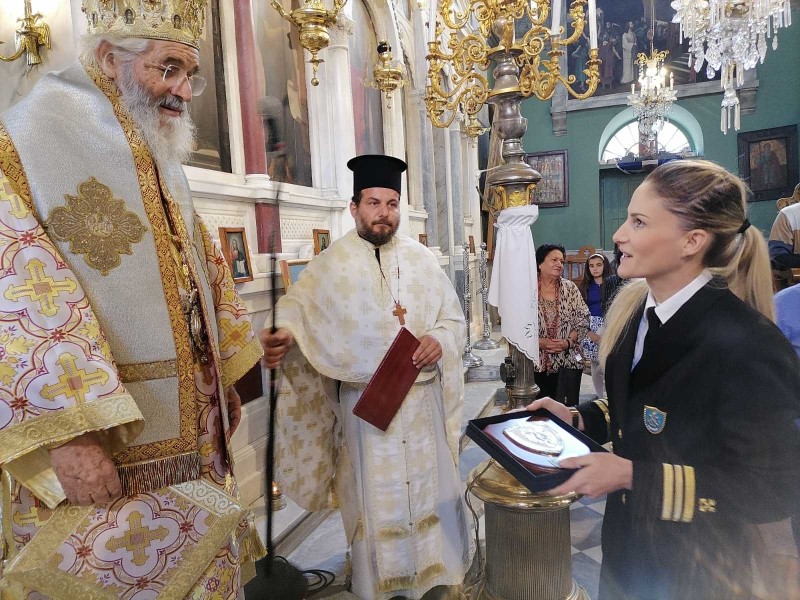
(616, 189)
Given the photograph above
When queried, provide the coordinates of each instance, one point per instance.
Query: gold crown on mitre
(169, 20)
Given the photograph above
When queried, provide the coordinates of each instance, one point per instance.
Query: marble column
(456, 187)
(255, 151)
(334, 122)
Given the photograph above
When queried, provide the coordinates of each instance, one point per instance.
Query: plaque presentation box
(529, 445)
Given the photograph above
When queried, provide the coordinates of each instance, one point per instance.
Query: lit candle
(592, 24)
(556, 25)
(670, 81)
(633, 88)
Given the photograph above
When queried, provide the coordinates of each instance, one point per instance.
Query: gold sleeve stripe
(688, 495)
(678, 502)
(668, 493)
(602, 404)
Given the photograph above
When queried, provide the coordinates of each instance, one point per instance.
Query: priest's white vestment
(399, 492)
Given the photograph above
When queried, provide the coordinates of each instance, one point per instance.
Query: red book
(390, 384)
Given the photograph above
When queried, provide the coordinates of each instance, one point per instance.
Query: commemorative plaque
(529, 445)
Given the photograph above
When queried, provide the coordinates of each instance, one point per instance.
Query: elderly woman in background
(563, 323)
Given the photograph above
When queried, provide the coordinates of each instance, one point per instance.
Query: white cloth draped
(513, 288)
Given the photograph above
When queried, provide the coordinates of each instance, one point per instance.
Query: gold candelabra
(456, 84)
(387, 76)
(31, 34)
(313, 20)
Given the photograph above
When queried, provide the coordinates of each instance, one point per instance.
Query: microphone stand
(275, 579)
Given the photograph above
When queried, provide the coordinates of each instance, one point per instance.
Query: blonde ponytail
(618, 319)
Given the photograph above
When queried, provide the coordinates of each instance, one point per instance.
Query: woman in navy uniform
(703, 401)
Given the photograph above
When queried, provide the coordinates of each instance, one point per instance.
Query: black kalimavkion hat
(376, 170)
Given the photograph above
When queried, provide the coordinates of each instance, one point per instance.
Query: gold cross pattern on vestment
(232, 334)
(74, 383)
(137, 539)
(29, 518)
(18, 207)
(41, 288)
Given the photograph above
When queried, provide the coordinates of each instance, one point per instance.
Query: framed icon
(471, 244)
(553, 189)
(768, 161)
(322, 239)
(234, 248)
(423, 239)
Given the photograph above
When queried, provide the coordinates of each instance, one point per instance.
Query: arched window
(367, 110)
(625, 143)
(284, 103)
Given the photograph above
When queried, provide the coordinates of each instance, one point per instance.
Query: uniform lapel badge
(654, 419)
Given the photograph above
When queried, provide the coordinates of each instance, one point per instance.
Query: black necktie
(654, 324)
(378, 254)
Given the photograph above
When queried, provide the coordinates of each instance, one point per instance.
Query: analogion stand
(528, 549)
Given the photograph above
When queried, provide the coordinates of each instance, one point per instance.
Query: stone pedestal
(528, 552)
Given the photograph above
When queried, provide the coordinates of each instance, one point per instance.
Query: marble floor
(325, 547)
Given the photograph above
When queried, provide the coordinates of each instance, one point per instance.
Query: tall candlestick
(592, 24)
(556, 24)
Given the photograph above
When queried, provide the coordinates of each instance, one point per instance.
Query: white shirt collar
(667, 309)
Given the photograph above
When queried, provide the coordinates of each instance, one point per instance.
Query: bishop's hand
(85, 471)
(276, 345)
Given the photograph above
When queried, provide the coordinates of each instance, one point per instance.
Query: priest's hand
(429, 351)
(276, 345)
(234, 410)
(598, 473)
(85, 471)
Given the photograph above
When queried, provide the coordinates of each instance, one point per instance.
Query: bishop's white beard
(170, 139)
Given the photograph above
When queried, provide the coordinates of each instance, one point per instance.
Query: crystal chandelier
(731, 35)
(654, 98)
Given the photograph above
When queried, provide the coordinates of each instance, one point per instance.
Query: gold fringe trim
(252, 548)
(398, 531)
(393, 584)
(162, 472)
(147, 371)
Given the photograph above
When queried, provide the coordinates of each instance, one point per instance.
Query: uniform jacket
(720, 386)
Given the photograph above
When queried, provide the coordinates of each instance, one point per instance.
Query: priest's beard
(376, 236)
(170, 139)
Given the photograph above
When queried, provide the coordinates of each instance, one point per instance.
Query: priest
(399, 491)
(121, 334)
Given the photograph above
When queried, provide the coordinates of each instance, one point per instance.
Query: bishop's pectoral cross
(398, 312)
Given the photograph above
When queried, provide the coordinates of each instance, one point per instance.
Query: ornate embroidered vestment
(98, 251)
(404, 518)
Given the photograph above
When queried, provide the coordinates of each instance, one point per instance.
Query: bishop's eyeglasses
(173, 76)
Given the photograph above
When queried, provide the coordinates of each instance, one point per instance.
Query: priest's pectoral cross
(398, 312)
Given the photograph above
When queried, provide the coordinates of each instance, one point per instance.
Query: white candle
(556, 25)
(592, 24)
(670, 81)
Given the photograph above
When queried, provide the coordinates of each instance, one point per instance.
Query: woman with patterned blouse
(563, 321)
